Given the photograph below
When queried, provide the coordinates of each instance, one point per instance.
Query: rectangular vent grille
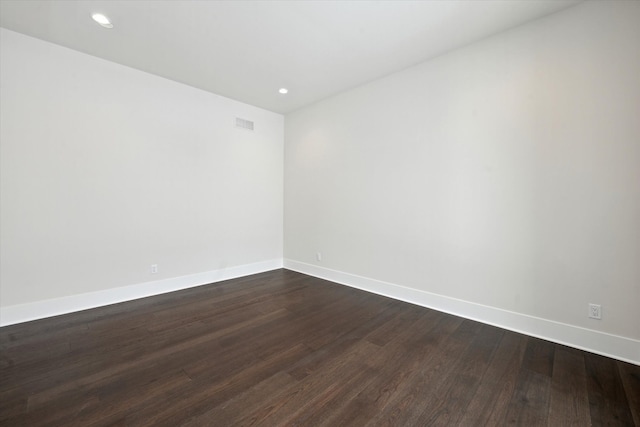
(244, 124)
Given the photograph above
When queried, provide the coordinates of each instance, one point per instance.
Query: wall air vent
(244, 124)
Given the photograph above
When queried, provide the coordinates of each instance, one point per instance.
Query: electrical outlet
(318, 256)
(154, 268)
(595, 311)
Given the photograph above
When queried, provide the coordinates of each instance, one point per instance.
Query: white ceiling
(247, 50)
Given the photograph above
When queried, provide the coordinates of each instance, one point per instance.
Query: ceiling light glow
(102, 20)
(283, 90)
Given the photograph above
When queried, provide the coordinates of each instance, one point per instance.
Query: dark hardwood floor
(282, 348)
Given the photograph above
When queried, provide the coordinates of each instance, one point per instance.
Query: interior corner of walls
(617, 347)
(20, 313)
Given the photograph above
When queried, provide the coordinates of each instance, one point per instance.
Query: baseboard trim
(54, 307)
(614, 346)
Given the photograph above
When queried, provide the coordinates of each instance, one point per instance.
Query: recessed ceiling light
(283, 90)
(102, 20)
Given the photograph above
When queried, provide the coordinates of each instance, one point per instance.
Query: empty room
(319, 213)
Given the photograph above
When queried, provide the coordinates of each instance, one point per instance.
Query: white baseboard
(617, 347)
(53, 307)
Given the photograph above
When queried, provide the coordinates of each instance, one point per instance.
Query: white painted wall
(106, 170)
(505, 173)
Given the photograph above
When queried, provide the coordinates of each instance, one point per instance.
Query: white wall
(505, 174)
(107, 170)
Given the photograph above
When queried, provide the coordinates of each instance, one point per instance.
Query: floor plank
(569, 404)
(630, 375)
(530, 401)
(607, 397)
(494, 393)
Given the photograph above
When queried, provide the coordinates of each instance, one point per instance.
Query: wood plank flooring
(281, 348)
